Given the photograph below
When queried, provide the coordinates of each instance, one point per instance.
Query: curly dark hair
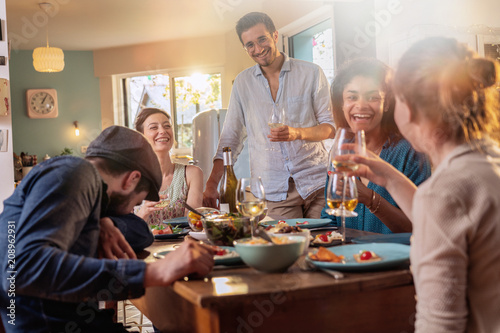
(371, 68)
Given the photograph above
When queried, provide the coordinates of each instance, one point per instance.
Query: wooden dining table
(242, 299)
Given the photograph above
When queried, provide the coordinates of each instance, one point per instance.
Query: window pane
(492, 51)
(146, 91)
(315, 45)
(193, 94)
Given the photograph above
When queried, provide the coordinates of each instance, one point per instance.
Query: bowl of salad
(224, 229)
(195, 220)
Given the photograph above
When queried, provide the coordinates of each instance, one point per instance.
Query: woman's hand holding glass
(251, 198)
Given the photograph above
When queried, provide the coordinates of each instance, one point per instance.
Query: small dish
(303, 223)
(231, 257)
(199, 235)
(181, 222)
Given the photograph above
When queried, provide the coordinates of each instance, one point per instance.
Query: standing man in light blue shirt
(291, 159)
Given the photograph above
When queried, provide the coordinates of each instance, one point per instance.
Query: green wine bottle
(227, 192)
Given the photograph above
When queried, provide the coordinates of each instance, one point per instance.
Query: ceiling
(97, 24)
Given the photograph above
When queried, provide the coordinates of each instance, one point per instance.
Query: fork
(309, 267)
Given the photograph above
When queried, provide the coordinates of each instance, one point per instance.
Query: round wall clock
(41, 103)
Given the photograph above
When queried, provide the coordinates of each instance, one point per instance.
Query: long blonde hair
(447, 83)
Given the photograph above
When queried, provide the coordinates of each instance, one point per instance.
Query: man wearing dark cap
(51, 277)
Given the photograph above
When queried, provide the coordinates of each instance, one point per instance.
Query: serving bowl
(195, 220)
(306, 233)
(222, 229)
(269, 257)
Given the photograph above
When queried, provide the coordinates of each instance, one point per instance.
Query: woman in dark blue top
(362, 99)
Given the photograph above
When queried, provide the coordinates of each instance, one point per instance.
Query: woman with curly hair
(362, 99)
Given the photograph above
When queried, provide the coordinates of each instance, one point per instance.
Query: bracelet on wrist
(370, 207)
(378, 205)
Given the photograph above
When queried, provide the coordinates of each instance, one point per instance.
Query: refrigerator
(207, 126)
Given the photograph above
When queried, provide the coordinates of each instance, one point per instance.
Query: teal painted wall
(79, 100)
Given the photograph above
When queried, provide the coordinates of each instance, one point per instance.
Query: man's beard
(271, 57)
(118, 204)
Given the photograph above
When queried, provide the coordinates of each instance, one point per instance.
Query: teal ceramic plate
(311, 223)
(392, 255)
(230, 258)
(183, 233)
(401, 238)
(178, 221)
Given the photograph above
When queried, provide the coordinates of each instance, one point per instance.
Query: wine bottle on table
(227, 191)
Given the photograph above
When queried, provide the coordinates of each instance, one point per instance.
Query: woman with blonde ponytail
(447, 107)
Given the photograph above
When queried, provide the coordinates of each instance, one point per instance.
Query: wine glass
(341, 198)
(276, 119)
(251, 199)
(346, 142)
(341, 187)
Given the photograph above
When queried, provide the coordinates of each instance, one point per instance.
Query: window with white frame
(311, 38)
(182, 96)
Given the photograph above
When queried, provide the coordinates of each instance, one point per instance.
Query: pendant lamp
(48, 59)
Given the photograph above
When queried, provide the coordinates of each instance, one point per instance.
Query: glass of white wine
(346, 142)
(342, 193)
(251, 199)
(341, 196)
(276, 119)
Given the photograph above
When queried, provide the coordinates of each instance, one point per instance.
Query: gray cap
(132, 150)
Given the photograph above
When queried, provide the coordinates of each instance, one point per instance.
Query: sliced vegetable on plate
(224, 255)
(166, 231)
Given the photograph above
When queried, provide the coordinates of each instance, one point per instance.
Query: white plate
(230, 258)
(200, 235)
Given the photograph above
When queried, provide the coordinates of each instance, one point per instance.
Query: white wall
(6, 158)
(410, 20)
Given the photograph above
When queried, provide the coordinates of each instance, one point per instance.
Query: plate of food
(361, 257)
(329, 238)
(303, 223)
(182, 222)
(225, 255)
(168, 232)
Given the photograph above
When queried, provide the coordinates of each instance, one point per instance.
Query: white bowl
(199, 235)
(306, 233)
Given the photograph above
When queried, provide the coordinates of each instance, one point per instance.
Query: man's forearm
(216, 174)
(317, 133)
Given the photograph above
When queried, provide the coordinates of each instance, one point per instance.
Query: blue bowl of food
(270, 257)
